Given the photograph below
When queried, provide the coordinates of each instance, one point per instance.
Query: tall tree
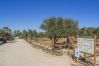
(87, 31)
(6, 29)
(6, 33)
(24, 34)
(56, 27)
(17, 33)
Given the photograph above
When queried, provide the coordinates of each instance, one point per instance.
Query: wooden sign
(86, 45)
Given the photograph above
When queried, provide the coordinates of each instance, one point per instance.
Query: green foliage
(6, 33)
(96, 31)
(17, 33)
(24, 34)
(41, 34)
(57, 27)
(31, 34)
(88, 31)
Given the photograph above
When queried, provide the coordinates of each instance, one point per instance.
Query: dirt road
(20, 53)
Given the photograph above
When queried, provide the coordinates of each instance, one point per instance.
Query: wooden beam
(94, 50)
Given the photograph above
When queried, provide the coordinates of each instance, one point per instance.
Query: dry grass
(47, 41)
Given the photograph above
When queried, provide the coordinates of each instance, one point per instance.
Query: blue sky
(24, 14)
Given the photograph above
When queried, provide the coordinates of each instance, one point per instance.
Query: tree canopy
(6, 33)
(57, 27)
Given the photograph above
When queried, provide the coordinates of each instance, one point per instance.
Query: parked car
(2, 40)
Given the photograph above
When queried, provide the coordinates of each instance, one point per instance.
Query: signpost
(94, 50)
(87, 46)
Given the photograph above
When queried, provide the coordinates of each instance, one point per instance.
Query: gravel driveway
(20, 53)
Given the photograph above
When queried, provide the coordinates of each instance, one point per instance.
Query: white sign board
(86, 45)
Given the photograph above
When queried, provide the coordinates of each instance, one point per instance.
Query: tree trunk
(53, 42)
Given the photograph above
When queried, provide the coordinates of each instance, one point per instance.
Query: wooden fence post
(94, 50)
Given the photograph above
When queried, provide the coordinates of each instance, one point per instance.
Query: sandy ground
(20, 53)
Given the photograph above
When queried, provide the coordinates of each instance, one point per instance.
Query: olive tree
(57, 27)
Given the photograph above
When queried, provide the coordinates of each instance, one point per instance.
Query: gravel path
(20, 53)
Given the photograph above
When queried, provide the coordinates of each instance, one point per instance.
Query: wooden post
(85, 56)
(28, 39)
(94, 50)
(77, 57)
